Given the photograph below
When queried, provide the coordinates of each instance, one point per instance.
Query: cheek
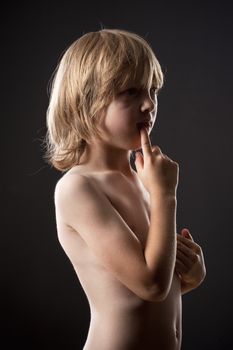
(119, 120)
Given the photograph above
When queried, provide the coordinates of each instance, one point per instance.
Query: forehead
(139, 74)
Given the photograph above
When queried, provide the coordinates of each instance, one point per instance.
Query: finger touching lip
(144, 126)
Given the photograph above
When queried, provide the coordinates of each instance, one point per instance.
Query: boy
(118, 226)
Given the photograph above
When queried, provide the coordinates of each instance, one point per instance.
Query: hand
(190, 264)
(158, 173)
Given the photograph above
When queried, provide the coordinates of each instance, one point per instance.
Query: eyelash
(136, 91)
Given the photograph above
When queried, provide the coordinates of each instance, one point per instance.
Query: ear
(185, 232)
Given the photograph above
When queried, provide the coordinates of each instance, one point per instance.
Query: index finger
(145, 142)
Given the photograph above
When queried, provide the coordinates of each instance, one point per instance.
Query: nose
(148, 104)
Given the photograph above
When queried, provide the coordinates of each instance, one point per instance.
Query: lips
(144, 124)
(146, 120)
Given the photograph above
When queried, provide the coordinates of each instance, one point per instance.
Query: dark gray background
(43, 305)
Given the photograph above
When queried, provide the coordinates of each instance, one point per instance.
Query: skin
(120, 131)
(120, 320)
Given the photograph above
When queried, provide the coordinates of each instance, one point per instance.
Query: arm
(88, 211)
(160, 250)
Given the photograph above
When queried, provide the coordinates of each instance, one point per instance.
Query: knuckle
(159, 158)
(195, 257)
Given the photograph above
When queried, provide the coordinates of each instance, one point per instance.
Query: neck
(103, 159)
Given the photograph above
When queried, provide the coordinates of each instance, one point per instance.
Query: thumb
(185, 232)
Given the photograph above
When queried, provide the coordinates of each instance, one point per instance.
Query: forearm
(160, 249)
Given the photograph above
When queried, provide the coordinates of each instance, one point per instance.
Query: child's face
(127, 109)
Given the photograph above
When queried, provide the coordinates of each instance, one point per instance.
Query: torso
(120, 320)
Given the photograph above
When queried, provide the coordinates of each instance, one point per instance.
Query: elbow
(156, 294)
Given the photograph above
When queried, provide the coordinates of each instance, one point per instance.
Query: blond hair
(90, 73)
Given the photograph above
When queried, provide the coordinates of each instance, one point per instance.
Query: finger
(187, 255)
(157, 149)
(165, 156)
(186, 233)
(180, 267)
(187, 251)
(187, 242)
(191, 245)
(154, 148)
(145, 142)
(183, 257)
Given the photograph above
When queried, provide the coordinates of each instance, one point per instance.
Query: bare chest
(131, 201)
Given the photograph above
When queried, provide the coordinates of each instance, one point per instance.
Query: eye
(132, 91)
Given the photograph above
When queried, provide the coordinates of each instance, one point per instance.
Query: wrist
(164, 202)
(169, 196)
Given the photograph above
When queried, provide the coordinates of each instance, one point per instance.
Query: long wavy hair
(90, 73)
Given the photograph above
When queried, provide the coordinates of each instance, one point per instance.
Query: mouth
(147, 125)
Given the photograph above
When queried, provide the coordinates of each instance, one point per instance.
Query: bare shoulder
(79, 179)
(70, 185)
(77, 188)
